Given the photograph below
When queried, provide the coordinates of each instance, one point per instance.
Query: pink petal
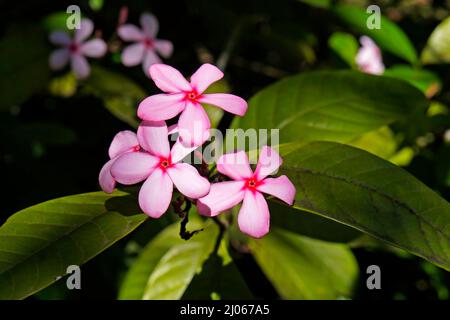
(150, 58)
(59, 58)
(86, 28)
(106, 180)
(161, 106)
(133, 167)
(205, 76)
(268, 163)
(80, 66)
(188, 181)
(153, 137)
(222, 196)
(60, 38)
(129, 32)
(156, 193)
(149, 25)
(180, 151)
(235, 165)
(369, 58)
(280, 187)
(133, 54)
(227, 102)
(164, 48)
(168, 79)
(94, 48)
(254, 216)
(193, 125)
(122, 142)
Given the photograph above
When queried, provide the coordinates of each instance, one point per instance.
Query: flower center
(252, 184)
(73, 47)
(192, 96)
(136, 148)
(165, 163)
(148, 43)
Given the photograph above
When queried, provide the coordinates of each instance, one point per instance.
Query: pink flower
(161, 168)
(369, 57)
(76, 49)
(254, 217)
(123, 142)
(146, 45)
(185, 97)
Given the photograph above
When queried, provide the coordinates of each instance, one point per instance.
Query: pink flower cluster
(147, 156)
(368, 58)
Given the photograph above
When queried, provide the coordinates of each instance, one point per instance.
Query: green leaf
(330, 105)
(56, 21)
(345, 45)
(39, 243)
(120, 95)
(318, 3)
(303, 268)
(381, 142)
(389, 37)
(358, 189)
(424, 80)
(310, 225)
(168, 264)
(437, 49)
(24, 71)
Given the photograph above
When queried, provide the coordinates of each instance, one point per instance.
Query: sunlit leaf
(437, 49)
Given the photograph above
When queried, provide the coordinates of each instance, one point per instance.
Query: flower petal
(254, 216)
(86, 28)
(164, 48)
(222, 196)
(193, 125)
(168, 79)
(280, 187)
(188, 181)
(80, 66)
(106, 180)
(133, 167)
(59, 58)
(94, 48)
(150, 58)
(149, 25)
(153, 136)
(180, 151)
(130, 32)
(235, 165)
(133, 54)
(268, 163)
(122, 142)
(205, 76)
(60, 38)
(161, 106)
(156, 193)
(227, 102)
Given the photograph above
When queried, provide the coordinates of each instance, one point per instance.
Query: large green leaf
(358, 189)
(389, 37)
(168, 264)
(303, 268)
(330, 105)
(37, 244)
(437, 49)
(120, 95)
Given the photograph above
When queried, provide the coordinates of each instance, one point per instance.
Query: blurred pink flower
(76, 49)
(161, 168)
(254, 216)
(123, 142)
(368, 58)
(186, 97)
(146, 44)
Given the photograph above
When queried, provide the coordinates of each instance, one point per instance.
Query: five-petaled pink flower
(186, 97)
(254, 216)
(161, 168)
(369, 57)
(123, 142)
(76, 49)
(146, 44)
